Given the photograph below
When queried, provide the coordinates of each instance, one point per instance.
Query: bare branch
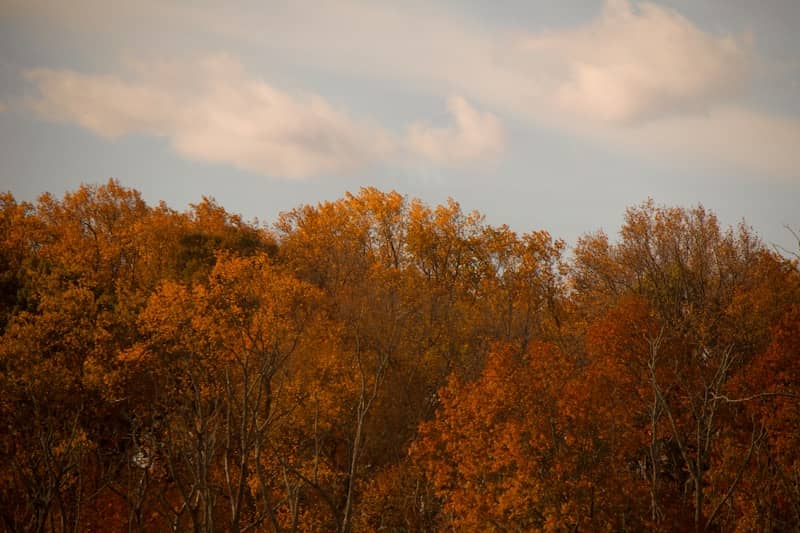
(726, 399)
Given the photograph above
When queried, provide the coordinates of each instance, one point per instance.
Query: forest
(378, 364)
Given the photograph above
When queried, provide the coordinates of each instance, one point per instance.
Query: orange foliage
(379, 364)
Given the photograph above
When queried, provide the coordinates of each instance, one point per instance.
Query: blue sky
(541, 115)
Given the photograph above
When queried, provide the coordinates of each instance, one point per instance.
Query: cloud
(728, 138)
(474, 135)
(211, 110)
(635, 61)
(643, 79)
(105, 105)
(634, 64)
(639, 78)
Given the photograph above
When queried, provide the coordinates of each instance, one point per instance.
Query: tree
(500, 453)
(218, 356)
(693, 279)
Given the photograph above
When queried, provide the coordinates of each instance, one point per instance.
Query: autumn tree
(76, 273)
(216, 357)
(73, 260)
(692, 278)
(501, 453)
(380, 364)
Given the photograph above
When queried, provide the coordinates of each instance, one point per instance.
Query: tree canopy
(375, 363)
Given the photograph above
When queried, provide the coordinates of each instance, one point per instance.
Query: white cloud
(727, 138)
(635, 61)
(106, 105)
(474, 135)
(639, 78)
(634, 64)
(211, 110)
(643, 79)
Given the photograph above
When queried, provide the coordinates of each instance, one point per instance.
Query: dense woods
(377, 364)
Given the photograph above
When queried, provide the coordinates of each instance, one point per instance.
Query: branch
(724, 398)
(753, 441)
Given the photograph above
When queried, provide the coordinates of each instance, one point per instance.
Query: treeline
(375, 364)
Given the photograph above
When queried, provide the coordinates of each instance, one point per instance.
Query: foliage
(379, 364)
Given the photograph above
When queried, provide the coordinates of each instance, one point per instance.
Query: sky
(539, 114)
